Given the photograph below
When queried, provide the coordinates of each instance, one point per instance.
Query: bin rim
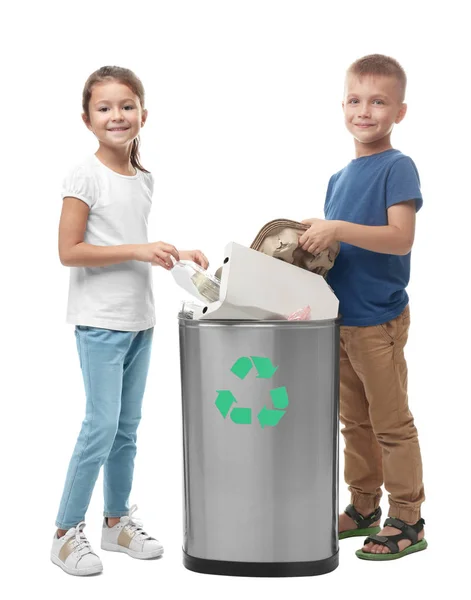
(269, 323)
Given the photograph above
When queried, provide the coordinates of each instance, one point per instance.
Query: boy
(370, 208)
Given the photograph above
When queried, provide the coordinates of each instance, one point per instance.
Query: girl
(103, 236)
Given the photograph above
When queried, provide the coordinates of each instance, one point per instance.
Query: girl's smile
(116, 114)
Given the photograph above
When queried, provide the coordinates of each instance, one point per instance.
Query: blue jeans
(114, 367)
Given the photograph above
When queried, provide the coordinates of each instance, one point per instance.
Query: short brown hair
(379, 64)
(126, 77)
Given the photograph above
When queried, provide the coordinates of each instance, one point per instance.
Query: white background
(245, 125)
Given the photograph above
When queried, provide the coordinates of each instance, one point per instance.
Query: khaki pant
(381, 444)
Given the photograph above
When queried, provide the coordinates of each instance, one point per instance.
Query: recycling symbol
(243, 416)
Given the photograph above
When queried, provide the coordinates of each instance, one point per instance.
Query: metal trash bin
(260, 446)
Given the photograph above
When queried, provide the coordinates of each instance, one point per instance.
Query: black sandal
(408, 532)
(362, 523)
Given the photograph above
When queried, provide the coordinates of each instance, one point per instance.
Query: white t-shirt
(118, 296)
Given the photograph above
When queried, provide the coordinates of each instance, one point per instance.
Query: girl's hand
(196, 256)
(159, 254)
(320, 235)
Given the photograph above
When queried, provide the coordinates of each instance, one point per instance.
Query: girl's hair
(126, 77)
(379, 64)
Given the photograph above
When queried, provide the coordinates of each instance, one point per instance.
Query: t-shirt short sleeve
(80, 184)
(403, 183)
(329, 193)
(151, 183)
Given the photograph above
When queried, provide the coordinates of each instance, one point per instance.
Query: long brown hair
(126, 77)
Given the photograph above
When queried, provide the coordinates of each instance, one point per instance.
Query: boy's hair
(126, 77)
(379, 64)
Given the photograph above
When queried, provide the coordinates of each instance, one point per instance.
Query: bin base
(260, 569)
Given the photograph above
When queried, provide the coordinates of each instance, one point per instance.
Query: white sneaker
(72, 553)
(128, 536)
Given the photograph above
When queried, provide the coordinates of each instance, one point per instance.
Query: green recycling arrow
(241, 416)
(224, 401)
(279, 397)
(264, 367)
(269, 417)
(242, 367)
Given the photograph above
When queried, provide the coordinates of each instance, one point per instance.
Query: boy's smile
(372, 105)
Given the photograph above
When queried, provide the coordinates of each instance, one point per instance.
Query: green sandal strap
(360, 521)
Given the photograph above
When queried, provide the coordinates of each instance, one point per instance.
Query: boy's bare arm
(395, 238)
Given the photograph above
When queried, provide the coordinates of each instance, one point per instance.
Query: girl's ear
(144, 117)
(86, 121)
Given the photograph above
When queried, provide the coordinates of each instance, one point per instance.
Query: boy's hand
(320, 235)
(196, 256)
(157, 253)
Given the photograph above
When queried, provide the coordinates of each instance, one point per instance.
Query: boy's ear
(402, 113)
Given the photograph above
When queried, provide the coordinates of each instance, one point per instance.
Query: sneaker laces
(134, 524)
(81, 544)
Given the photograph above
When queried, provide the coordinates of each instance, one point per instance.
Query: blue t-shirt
(371, 286)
